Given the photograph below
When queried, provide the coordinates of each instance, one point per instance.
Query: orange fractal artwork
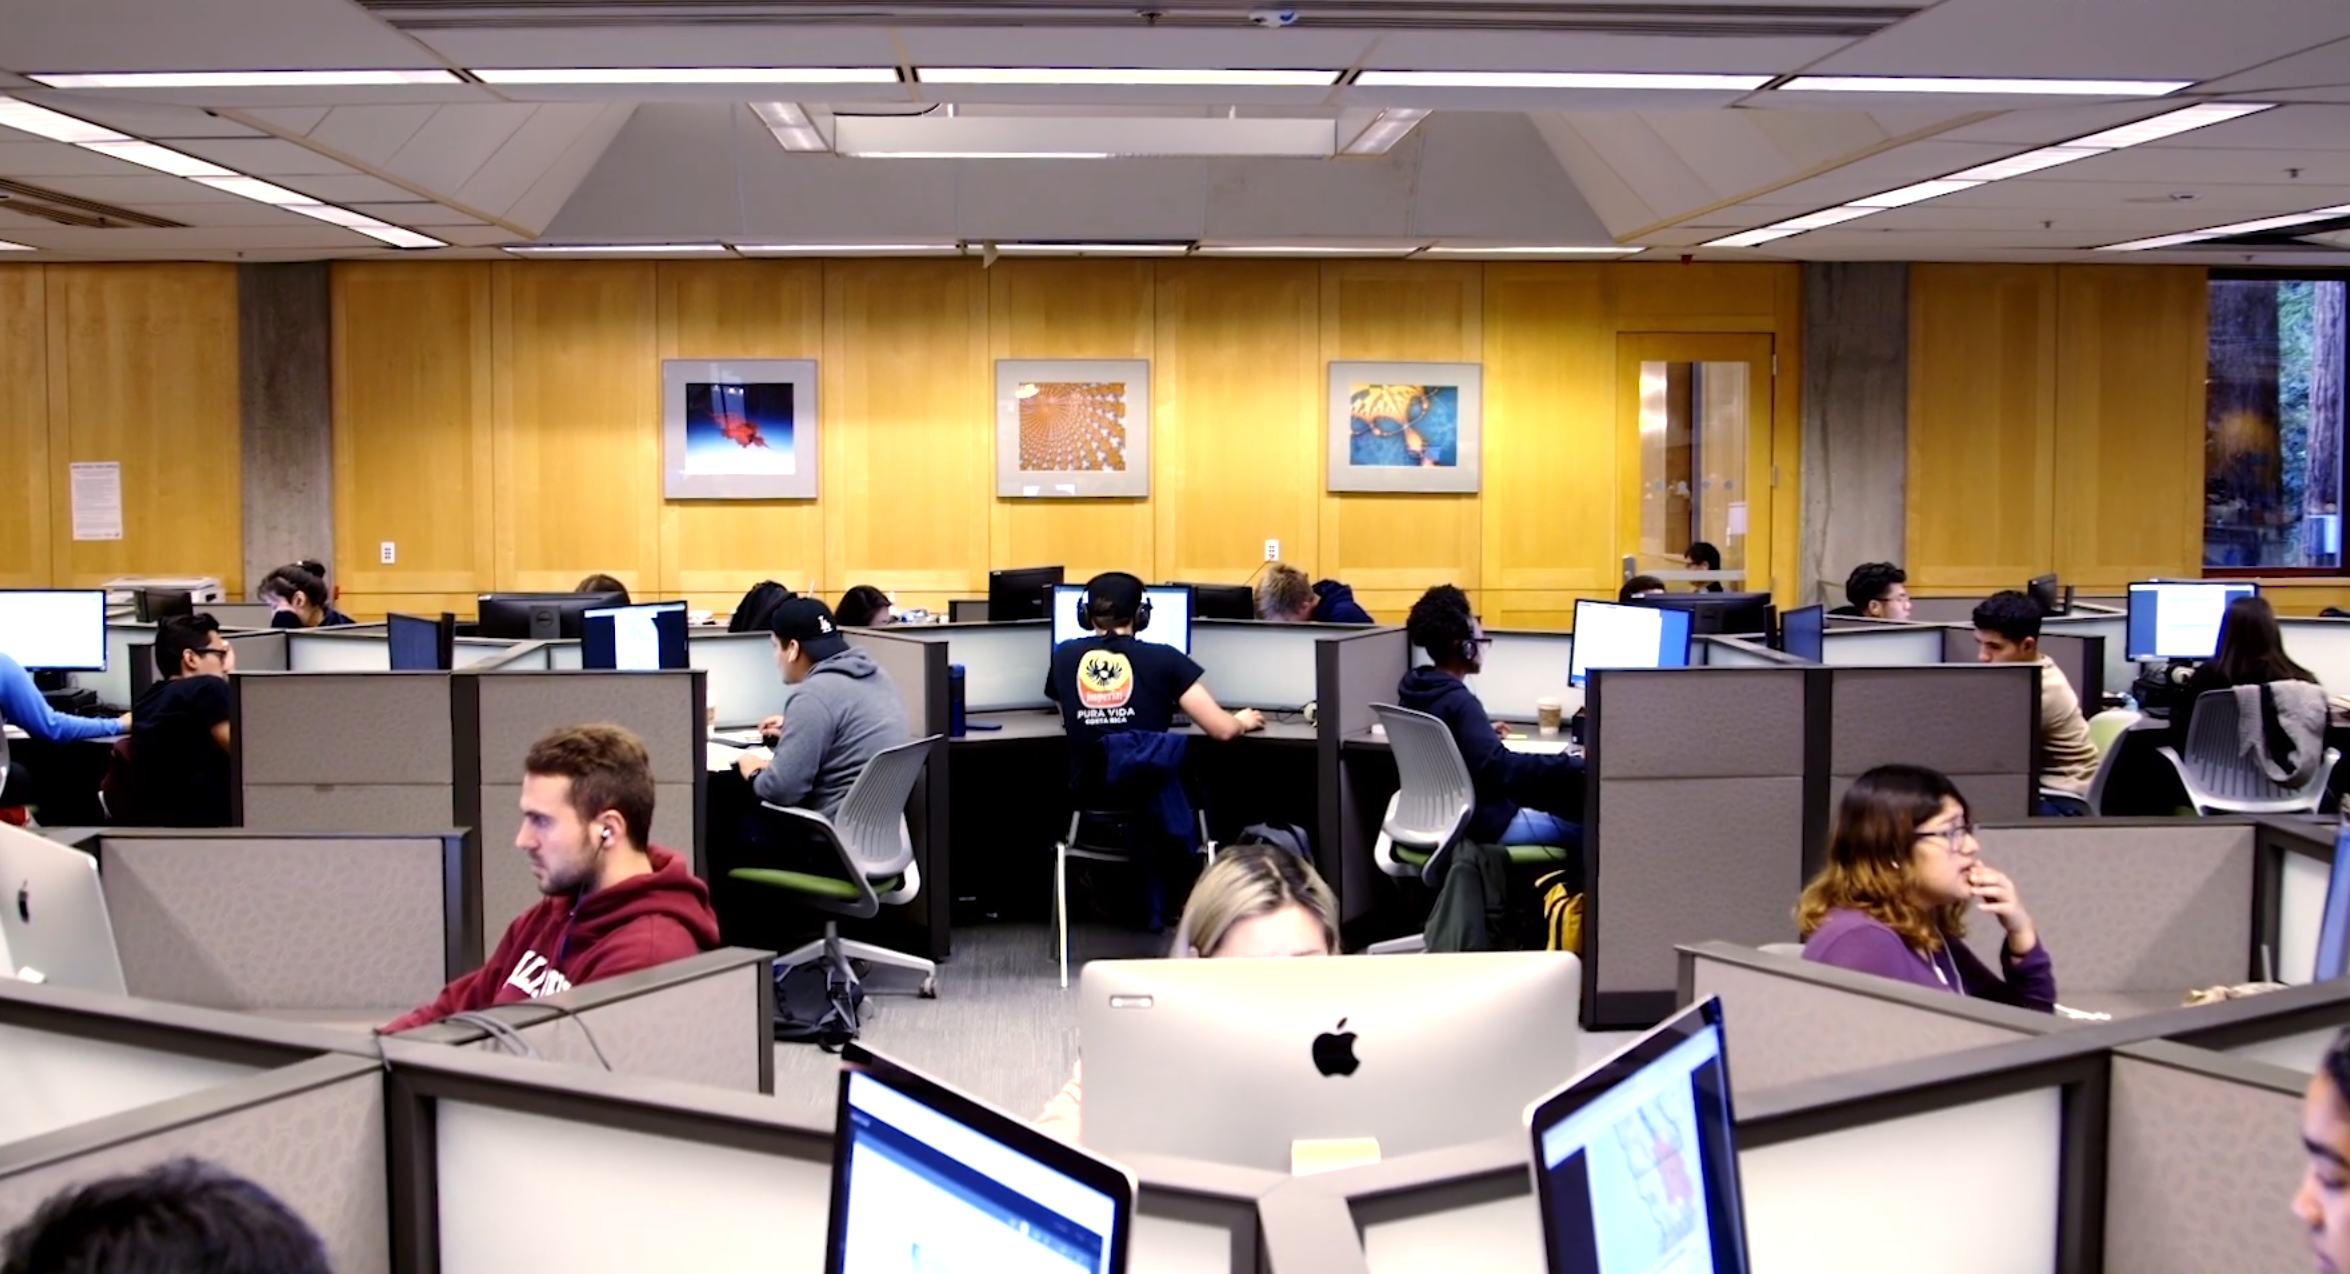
(1073, 427)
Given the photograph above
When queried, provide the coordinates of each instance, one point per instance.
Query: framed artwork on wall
(738, 429)
(1072, 428)
(1408, 427)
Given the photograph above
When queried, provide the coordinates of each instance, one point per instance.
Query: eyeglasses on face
(1954, 837)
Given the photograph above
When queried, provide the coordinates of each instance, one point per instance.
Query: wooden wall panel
(1982, 424)
(1551, 499)
(24, 427)
(1072, 309)
(142, 369)
(412, 438)
(712, 551)
(2131, 346)
(1239, 417)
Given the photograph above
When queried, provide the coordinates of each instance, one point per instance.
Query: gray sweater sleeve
(807, 736)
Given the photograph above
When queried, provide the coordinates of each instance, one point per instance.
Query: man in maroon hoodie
(614, 902)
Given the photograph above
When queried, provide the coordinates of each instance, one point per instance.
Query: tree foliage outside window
(2274, 423)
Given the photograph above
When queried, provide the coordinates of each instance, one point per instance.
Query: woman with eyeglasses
(1903, 867)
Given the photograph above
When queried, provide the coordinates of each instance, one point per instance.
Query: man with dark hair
(613, 901)
(1522, 798)
(2007, 631)
(1703, 556)
(845, 711)
(181, 1217)
(180, 728)
(1287, 596)
(1879, 590)
(1640, 586)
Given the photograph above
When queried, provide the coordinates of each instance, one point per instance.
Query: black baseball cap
(808, 621)
(1116, 591)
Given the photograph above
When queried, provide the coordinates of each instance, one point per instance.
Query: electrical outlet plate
(390, 554)
(1272, 550)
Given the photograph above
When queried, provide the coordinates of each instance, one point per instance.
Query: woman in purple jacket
(1902, 868)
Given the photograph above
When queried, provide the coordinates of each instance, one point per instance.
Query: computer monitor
(62, 629)
(1170, 615)
(967, 610)
(422, 645)
(1020, 593)
(1713, 613)
(154, 605)
(1610, 635)
(53, 924)
(1636, 1160)
(2044, 590)
(1803, 633)
(645, 638)
(927, 1178)
(2181, 619)
(1232, 1061)
(1221, 601)
(540, 616)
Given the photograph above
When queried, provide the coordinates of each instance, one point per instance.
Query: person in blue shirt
(23, 706)
(299, 596)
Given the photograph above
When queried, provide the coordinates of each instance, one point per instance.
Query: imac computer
(420, 644)
(1170, 623)
(1221, 601)
(1718, 613)
(54, 629)
(2181, 619)
(53, 926)
(1803, 633)
(646, 638)
(1021, 593)
(1608, 635)
(540, 616)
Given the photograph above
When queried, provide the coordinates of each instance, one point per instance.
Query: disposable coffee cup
(1546, 716)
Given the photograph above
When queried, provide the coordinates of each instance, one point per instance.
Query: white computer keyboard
(1540, 747)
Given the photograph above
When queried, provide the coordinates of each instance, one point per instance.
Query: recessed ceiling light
(1918, 193)
(1124, 77)
(1560, 79)
(979, 154)
(1749, 238)
(333, 216)
(1094, 249)
(791, 126)
(1530, 250)
(1824, 218)
(2031, 161)
(43, 122)
(255, 189)
(1963, 84)
(1306, 250)
(159, 158)
(616, 249)
(2169, 124)
(245, 79)
(847, 249)
(1385, 130)
(6, 246)
(691, 75)
(399, 237)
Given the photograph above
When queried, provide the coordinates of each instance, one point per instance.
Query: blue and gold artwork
(1405, 426)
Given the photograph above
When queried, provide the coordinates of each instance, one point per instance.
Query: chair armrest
(794, 811)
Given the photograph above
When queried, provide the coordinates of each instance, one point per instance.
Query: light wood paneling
(412, 444)
(2131, 346)
(1238, 417)
(1072, 309)
(142, 369)
(714, 550)
(1551, 498)
(24, 427)
(1982, 423)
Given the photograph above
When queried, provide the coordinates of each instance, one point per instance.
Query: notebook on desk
(1541, 747)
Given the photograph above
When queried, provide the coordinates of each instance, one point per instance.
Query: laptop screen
(1635, 1160)
(927, 1180)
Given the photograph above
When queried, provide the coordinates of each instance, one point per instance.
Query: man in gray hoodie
(845, 710)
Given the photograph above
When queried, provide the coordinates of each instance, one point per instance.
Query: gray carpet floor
(1001, 1028)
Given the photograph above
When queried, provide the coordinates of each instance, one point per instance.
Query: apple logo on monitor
(1334, 1051)
(24, 905)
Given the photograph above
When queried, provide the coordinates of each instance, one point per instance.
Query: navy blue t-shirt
(1108, 685)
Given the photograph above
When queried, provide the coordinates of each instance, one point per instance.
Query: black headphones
(1142, 613)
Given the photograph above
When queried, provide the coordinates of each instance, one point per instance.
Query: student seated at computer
(180, 728)
(1879, 590)
(845, 710)
(1253, 902)
(602, 583)
(1640, 586)
(1903, 867)
(2322, 1203)
(1287, 596)
(2007, 631)
(1703, 556)
(298, 597)
(757, 607)
(1113, 686)
(864, 607)
(1522, 798)
(22, 705)
(182, 1216)
(613, 901)
(2279, 703)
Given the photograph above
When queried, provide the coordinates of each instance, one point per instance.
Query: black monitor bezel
(1020, 587)
(1688, 644)
(677, 608)
(1226, 591)
(569, 607)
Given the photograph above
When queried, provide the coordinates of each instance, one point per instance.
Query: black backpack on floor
(814, 1005)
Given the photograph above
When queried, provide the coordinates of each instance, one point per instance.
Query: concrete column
(285, 329)
(1855, 421)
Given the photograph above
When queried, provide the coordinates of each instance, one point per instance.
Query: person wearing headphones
(613, 901)
(1523, 798)
(1110, 683)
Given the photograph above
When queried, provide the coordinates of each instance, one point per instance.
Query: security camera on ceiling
(1272, 18)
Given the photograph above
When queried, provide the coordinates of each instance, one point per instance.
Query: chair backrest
(871, 821)
(1434, 796)
(2216, 753)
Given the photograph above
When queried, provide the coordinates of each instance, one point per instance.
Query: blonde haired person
(1287, 596)
(1253, 902)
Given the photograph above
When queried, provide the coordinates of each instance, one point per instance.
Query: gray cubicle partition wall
(2112, 631)
(1520, 669)
(2295, 871)
(1738, 652)
(1004, 664)
(744, 684)
(1351, 673)
(1696, 820)
(1869, 643)
(919, 670)
(239, 614)
(707, 1019)
(261, 651)
(1977, 723)
(309, 923)
(1945, 610)
(356, 648)
(2080, 657)
(2204, 1154)
(1251, 664)
(498, 716)
(343, 752)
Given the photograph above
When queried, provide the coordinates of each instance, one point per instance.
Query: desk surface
(1031, 724)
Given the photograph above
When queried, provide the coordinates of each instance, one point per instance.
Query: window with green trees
(2273, 423)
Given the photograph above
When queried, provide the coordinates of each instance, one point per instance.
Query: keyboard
(1540, 747)
(748, 738)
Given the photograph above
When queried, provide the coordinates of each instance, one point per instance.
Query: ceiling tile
(2119, 39)
(417, 214)
(197, 35)
(348, 189)
(265, 157)
(32, 159)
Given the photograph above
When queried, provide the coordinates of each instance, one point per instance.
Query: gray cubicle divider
(1977, 723)
(239, 614)
(353, 648)
(1696, 819)
(2205, 1153)
(744, 685)
(343, 752)
(260, 651)
(1351, 673)
(1945, 610)
(2079, 656)
(1738, 652)
(309, 923)
(1253, 664)
(1873, 643)
(919, 670)
(2116, 673)
(1004, 664)
(707, 1019)
(497, 716)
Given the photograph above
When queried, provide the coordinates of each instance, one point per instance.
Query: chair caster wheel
(929, 988)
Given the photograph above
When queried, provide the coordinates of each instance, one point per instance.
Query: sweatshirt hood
(853, 662)
(1334, 593)
(1423, 689)
(670, 889)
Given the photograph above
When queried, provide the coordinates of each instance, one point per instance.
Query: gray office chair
(876, 860)
(1104, 836)
(1433, 800)
(2221, 777)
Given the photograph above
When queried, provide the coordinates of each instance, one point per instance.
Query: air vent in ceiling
(72, 210)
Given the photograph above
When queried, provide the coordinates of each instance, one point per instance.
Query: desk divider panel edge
(919, 668)
(1351, 673)
(707, 1019)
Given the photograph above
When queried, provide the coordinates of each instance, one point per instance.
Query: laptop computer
(1636, 1160)
(53, 923)
(927, 1178)
(1234, 1061)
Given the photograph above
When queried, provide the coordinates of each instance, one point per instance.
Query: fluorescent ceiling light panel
(399, 237)
(2031, 161)
(847, 249)
(1124, 77)
(6, 246)
(2239, 227)
(335, 216)
(246, 79)
(43, 122)
(1918, 193)
(255, 189)
(1960, 84)
(791, 126)
(160, 158)
(616, 249)
(1306, 250)
(1749, 238)
(1384, 131)
(691, 75)
(1561, 79)
(981, 154)
(1094, 249)
(1530, 250)
(1824, 217)
(2170, 124)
